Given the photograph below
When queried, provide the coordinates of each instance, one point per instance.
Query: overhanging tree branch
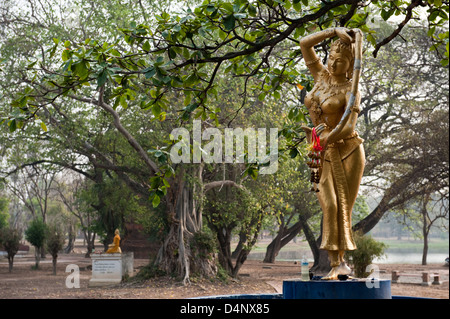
(295, 23)
(397, 31)
(117, 123)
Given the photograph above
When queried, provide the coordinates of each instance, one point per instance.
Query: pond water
(390, 258)
(411, 258)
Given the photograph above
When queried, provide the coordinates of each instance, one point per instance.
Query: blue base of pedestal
(335, 289)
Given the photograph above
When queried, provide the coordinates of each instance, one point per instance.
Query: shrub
(10, 237)
(54, 242)
(368, 249)
(35, 234)
(147, 272)
(203, 244)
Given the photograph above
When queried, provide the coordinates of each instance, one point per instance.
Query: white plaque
(106, 269)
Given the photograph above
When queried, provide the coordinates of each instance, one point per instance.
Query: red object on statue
(315, 140)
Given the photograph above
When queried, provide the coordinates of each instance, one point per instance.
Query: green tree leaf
(146, 46)
(229, 22)
(156, 200)
(102, 77)
(80, 69)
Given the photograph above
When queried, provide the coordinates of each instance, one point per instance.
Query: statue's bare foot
(332, 275)
(342, 269)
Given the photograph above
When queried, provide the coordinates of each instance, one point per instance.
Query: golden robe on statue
(338, 189)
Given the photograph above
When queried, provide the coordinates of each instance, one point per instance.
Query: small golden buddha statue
(114, 248)
(333, 106)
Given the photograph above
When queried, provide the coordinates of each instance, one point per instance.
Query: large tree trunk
(274, 247)
(425, 227)
(225, 255)
(243, 254)
(71, 239)
(90, 239)
(425, 249)
(54, 262)
(240, 259)
(176, 254)
(240, 245)
(10, 262)
(37, 255)
(284, 236)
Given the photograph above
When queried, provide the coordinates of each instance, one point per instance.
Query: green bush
(36, 232)
(149, 271)
(203, 244)
(35, 235)
(368, 249)
(10, 238)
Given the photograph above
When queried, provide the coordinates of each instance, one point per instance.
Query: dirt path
(255, 277)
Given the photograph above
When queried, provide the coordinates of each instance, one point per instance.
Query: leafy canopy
(185, 51)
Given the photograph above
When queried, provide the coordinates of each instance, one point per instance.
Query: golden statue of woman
(333, 105)
(115, 246)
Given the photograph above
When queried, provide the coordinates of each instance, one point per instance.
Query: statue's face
(338, 63)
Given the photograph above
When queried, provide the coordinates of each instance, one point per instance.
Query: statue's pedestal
(336, 289)
(108, 269)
